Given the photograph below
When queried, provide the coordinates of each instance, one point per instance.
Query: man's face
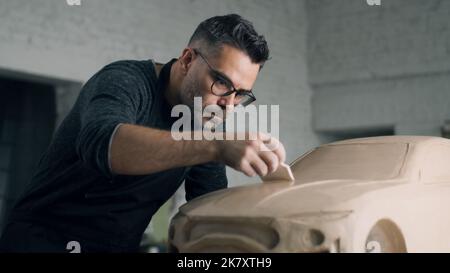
(232, 64)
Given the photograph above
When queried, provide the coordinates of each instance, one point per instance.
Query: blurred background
(339, 69)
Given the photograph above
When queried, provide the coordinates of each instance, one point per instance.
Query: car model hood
(282, 199)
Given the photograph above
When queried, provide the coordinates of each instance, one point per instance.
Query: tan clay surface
(381, 194)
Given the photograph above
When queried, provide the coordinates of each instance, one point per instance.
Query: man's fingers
(259, 166)
(271, 160)
(247, 169)
(280, 152)
(274, 145)
(260, 156)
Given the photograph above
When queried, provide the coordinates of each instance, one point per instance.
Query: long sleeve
(114, 98)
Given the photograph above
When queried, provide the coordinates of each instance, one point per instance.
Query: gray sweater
(73, 191)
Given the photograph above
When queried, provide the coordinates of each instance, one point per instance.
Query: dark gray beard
(189, 91)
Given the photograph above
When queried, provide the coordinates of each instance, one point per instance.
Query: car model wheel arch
(385, 236)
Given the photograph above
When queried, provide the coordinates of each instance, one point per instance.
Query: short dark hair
(232, 30)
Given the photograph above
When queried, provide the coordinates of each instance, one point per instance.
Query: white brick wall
(51, 39)
(350, 40)
(384, 66)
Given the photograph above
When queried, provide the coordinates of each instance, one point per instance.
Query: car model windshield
(355, 161)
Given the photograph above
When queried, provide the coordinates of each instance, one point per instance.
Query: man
(113, 162)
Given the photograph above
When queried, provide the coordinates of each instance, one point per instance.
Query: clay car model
(380, 194)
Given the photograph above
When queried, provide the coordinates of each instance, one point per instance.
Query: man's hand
(257, 154)
(138, 150)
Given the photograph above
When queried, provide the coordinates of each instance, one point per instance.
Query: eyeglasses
(222, 86)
